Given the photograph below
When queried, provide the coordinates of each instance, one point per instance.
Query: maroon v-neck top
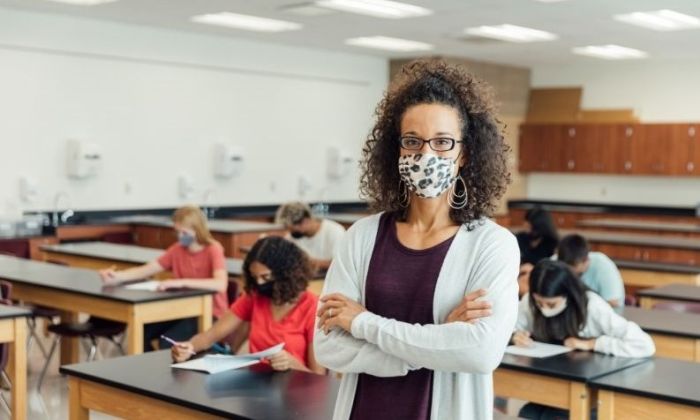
(400, 285)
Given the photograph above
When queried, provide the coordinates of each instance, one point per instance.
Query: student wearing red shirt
(197, 262)
(276, 304)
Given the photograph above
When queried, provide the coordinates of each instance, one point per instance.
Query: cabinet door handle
(628, 165)
(629, 131)
(646, 256)
(572, 132)
(691, 132)
(690, 166)
(571, 164)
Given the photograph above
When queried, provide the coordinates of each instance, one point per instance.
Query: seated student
(537, 242)
(596, 270)
(558, 309)
(275, 303)
(318, 237)
(197, 262)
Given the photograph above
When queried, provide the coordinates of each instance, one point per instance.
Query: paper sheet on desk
(538, 350)
(150, 285)
(215, 363)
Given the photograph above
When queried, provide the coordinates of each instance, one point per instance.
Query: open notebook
(150, 285)
(215, 363)
(538, 350)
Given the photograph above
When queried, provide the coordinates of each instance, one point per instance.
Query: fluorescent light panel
(388, 43)
(610, 52)
(246, 22)
(660, 20)
(83, 2)
(376, 8)
(511, 33)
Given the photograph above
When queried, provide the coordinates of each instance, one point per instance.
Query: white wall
(664, 91)
(156, 100)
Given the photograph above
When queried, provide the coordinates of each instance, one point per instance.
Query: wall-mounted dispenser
(228, 160)
(338, 163)
(28, 189)
(84, 159)
(185, 186)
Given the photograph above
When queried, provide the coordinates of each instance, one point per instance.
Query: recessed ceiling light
(511, 33)
(84, 2)
(388, 43)
(307, 10)
(376, 8)
(660, 20)
(610, 52)
(246, 22)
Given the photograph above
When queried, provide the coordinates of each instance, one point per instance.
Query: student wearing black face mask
(536, 243)
(276, 305)
(318, 237)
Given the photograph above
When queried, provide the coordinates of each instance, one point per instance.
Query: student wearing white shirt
(559, 309)
(318, 237)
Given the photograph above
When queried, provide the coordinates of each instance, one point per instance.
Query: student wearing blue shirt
(596, 270)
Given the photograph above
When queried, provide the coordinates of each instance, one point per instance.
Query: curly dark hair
(290, 266)
(486, 173)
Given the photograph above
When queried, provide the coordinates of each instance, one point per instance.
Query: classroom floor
(51, 403)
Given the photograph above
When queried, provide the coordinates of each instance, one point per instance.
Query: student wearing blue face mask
(197, 262)
(559, 309)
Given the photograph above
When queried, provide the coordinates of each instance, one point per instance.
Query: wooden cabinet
(686, 152)
(163, 237)
(35, 245)
(154, 236)
(631, 149)
(541, 148)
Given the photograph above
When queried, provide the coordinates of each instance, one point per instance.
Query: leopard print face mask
(426, 174)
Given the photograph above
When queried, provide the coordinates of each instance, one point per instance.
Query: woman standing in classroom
(399, 316)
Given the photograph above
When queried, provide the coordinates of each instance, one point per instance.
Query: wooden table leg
(606, 405)
(646, 303)
(134, 336)
(17, 367)
(580, 402)
(204, 320)
(70, 347)
(76, 410)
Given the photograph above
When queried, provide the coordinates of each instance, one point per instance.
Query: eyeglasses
(438, 144)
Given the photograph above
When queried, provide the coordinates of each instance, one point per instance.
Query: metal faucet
(208, 212)
(56, 200)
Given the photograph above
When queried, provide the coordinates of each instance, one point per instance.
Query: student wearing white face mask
(559, 309)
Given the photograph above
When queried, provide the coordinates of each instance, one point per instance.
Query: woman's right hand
(182, 351)
(108, 275)
(522, 339)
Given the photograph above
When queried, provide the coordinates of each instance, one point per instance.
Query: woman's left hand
(170, 284)
(580, 344)
(338, 311)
